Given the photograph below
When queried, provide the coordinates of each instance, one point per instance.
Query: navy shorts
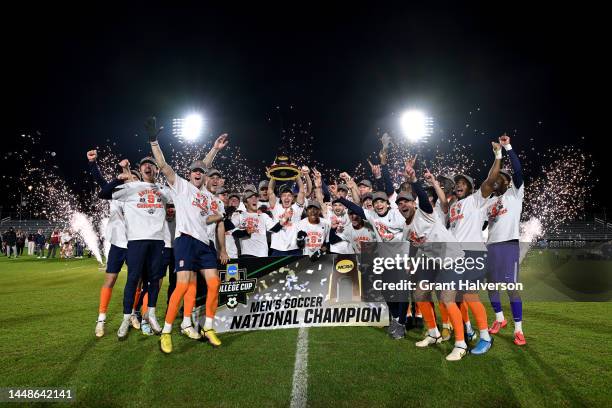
(144, 258)
(503, 262)
(167, 260)
(191, 254)
(116, 258)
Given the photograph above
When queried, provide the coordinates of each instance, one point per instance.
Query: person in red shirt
(53, 243)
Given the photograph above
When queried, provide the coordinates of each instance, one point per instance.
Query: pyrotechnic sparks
(81, 225)
(555, 190)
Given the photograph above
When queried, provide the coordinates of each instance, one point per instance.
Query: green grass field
(48, 310)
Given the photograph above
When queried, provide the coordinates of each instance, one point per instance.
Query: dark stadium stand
(594, 229)
(29, 225)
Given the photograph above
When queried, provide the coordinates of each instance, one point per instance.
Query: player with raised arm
(192, 250)
(425, 232)
(115, 234)
(504, 216)
(287, 212)
(467, 216)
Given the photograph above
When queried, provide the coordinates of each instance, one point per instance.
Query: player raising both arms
(504, 215)
(192, 249)
(467, 216)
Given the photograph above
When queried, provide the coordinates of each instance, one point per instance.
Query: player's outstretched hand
(410, 173)
(430, 178)
(221, 141)
(92, 155)
(496, 148)
(504, 140)
(152, 129)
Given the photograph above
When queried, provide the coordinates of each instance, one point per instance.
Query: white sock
(418, 315)
(468, 327)
(101, 317)
(434, 332)
(133, 311)
(518, 326)
(499, 316)
(460, 344)
(484, 334)
(446, 326)
(151, 313)
(186, 322)
(127, 316)
(167, 328)
(208, 324)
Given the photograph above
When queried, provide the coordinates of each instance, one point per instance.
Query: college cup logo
(234, 286)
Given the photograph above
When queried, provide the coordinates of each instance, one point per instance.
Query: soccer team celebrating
(190, 226)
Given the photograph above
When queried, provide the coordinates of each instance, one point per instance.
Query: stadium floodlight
(416, 126)
(188, 128)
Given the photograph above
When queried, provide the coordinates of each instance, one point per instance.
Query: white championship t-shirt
(193, 206)
(439, 213)
(504, 215)
(285, 239)
(257, 243)
(115, 232)
(344, 246)
(144, 206)
(219, 207)
(388, 228)
(356, 236)
(466, 218)
(316, 234)
(169, 231)
(425, 229)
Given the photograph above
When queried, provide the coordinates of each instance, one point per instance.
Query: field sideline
(48, 310)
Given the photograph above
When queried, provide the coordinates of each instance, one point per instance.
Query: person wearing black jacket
(11, 242)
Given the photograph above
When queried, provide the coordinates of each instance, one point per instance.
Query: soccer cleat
(146, 328)
(123, 329)
(519, 339)
(409, 325)
(392, 327)
(211, 336)
(399, 333)
(482, 347)
(497, 326)
(428, 341)
(446, 334)
(134, 322)
(471, 336)
(165, 343)
(457, 354)
(190, 332)
(100, 328)
(155, 327)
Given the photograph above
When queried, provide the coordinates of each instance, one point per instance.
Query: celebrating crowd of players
(191, 225)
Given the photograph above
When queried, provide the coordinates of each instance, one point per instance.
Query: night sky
(95, 75)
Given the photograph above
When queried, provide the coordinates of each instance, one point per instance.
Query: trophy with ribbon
(283, 169)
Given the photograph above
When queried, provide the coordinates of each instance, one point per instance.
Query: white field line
(299, 392)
